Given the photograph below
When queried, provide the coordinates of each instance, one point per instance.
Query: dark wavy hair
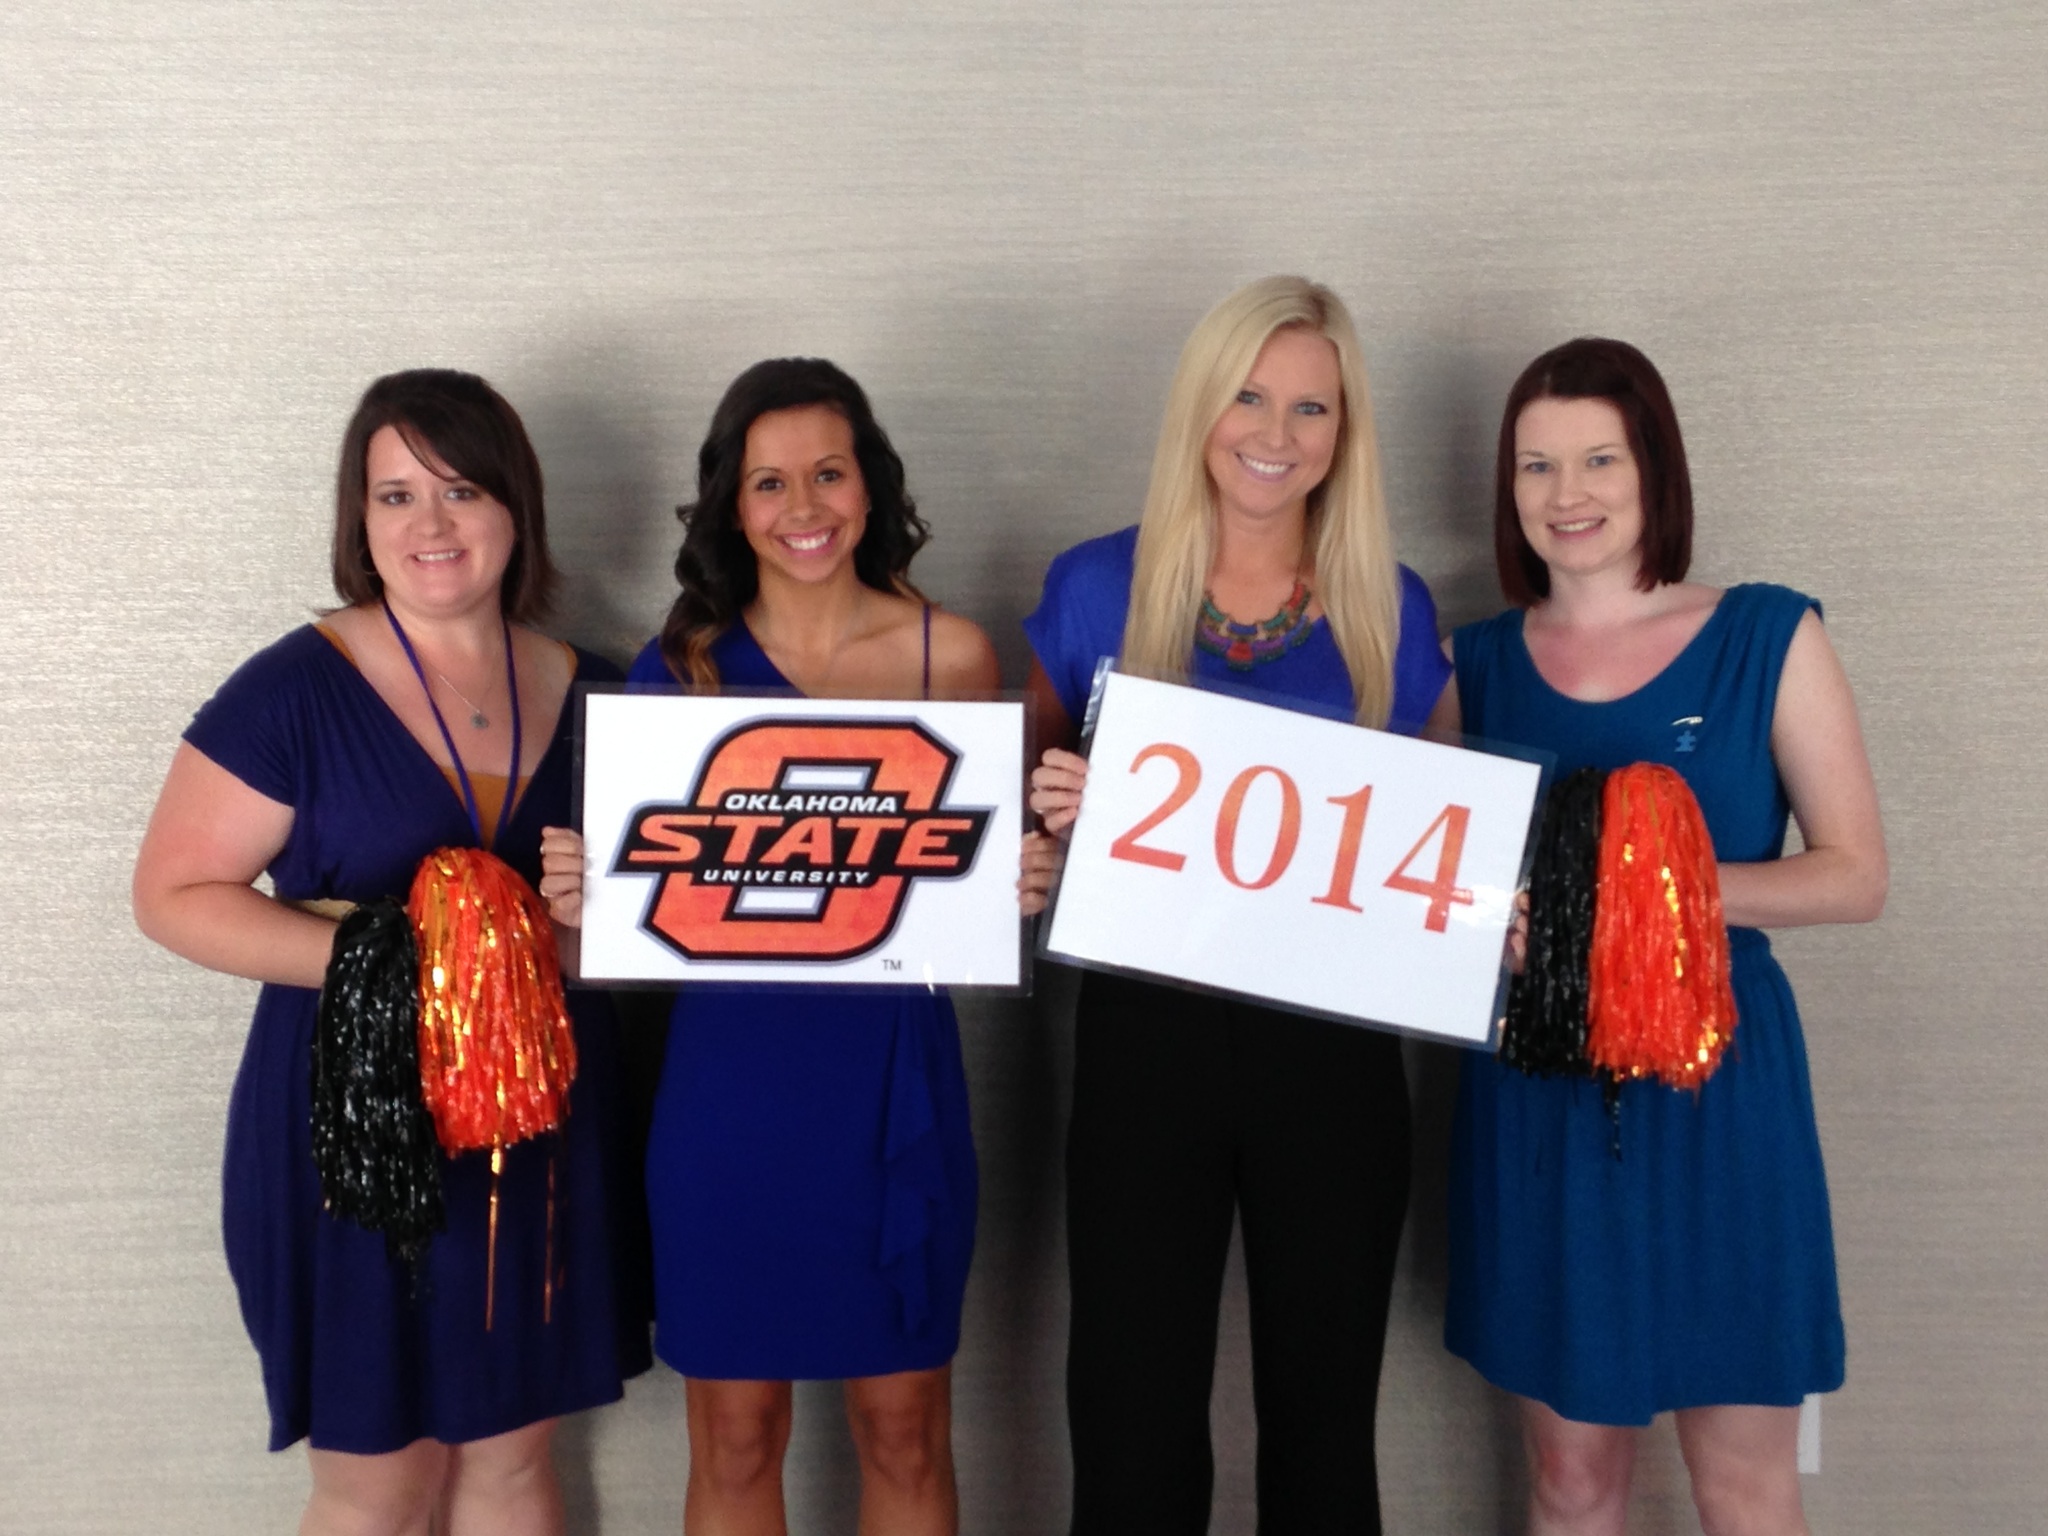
(715, 566)
(1596, 368)
(457, 420)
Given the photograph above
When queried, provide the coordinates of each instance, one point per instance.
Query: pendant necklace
(477, 718)
(1244, 646)
(469, 804)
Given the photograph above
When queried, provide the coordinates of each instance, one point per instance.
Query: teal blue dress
(1697, 1266)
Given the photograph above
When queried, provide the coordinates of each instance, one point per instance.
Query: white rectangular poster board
(797, 840)
(1315, 865)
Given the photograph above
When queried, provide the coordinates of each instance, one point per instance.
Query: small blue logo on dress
(1686, 739)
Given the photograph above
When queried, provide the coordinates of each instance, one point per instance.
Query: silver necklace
(477, 718)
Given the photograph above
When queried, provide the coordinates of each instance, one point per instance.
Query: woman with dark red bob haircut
(1672, 1253)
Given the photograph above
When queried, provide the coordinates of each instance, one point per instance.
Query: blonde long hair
(1355, 576)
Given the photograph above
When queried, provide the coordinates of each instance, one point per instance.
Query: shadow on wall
(983, 396)
(618, 459)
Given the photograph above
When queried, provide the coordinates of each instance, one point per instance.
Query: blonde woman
(1263, 561)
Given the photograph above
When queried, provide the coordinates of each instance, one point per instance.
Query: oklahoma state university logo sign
(800, 840)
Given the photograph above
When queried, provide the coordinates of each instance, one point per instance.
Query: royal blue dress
(1697, 1267)
(356, 1357)
(811, 1178)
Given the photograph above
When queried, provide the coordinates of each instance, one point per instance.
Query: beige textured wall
(218, 220)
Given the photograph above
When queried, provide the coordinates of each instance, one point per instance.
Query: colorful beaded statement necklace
(1244, 646)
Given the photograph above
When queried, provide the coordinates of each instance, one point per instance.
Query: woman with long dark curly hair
(810, 1173)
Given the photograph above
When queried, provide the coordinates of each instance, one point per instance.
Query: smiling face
(1578, 491)
(1275, 441)
(440, 543)
(802, 502)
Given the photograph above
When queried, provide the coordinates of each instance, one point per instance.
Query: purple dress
(811, 1179)
(355, 1358)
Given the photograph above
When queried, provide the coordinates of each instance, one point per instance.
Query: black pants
(1187, 1107)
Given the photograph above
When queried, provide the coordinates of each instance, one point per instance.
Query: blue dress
(1697, 1268)
(811, 1178)
(354, 1358)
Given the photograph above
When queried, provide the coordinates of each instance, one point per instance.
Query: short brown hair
(458, 420)
(1596, 368)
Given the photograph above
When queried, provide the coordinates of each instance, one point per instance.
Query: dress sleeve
(1767, 617)
(250, 725)
(1080, 615)
(1420, 667)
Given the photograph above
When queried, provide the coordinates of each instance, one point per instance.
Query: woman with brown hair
(424, 713)
(1664, 1249)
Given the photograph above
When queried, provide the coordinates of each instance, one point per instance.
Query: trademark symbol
(892, 965)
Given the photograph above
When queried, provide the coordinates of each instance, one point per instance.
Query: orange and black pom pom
(1627, 969)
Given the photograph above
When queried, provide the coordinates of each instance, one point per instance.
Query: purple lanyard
(476, 819)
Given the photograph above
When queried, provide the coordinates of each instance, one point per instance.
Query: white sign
(1312, 864)
(801, 840)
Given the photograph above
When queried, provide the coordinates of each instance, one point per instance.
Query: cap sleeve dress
(1697, 1267)
(356, 1357)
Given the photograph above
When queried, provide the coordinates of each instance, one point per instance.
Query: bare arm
(1842, 874)
(963, 661)
(209, 838)
(1055, 790)
(1446, 722)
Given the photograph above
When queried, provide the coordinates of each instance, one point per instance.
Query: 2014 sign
(1442, 889)
(1297, 860)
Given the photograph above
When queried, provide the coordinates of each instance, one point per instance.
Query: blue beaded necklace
(1244, 646)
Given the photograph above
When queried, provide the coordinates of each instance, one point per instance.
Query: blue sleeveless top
(1697, 1267)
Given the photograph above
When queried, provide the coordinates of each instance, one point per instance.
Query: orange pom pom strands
(1659, 1002)
(496, 1052)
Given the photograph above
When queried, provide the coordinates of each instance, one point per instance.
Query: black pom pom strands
(1545, 1033)
(373, 1140)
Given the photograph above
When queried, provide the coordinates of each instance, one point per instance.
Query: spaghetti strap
(927, 650)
